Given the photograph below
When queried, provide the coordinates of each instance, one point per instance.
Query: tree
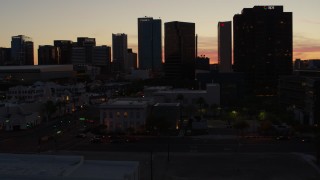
(241, 125)
(201, 103)
(157, 123)
(215, 109)
(180, 98)
(49, 109)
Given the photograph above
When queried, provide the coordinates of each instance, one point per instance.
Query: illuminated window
(125, 114)
(118, 114)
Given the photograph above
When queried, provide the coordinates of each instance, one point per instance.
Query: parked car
(81, 135)
(283, 138)
(96, 140)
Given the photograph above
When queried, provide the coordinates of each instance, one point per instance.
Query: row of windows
(125, 124)
(25, 97)
(124, 114)
(25, 92)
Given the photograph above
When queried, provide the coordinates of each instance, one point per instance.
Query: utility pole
(168, 158)
(151, 162)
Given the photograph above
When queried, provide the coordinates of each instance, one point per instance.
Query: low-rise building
(211, 95)
(40, 91)
(301, 94)
(19, 116)
(120, 115)
(36, 73)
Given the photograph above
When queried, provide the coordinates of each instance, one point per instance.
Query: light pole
(151, 163)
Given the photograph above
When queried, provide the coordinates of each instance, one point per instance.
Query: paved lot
(215, 166)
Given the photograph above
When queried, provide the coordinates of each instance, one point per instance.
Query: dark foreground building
(300, 93)
(180, 50)
(263, 46)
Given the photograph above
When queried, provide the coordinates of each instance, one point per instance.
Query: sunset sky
(48, 20)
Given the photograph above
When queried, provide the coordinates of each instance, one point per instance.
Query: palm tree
(201, 102)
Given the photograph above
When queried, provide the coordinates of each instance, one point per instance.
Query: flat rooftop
(42, 68)
(24, 167)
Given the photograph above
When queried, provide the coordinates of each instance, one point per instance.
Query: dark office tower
(78, 56)
(101, 57)
(87, 44)
(22, 50)
(132, 59)
(5, 56)
(120, 52)
(149, 43)
(48, 55)
(263, 46)
(224, 46)
(65, 47)
(179, 50)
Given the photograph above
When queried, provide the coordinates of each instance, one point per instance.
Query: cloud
(305, 47)
(312, 22)
(206, 41)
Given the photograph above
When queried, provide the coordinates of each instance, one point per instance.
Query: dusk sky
(48, 20)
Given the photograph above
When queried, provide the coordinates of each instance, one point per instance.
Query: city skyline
(46, 21)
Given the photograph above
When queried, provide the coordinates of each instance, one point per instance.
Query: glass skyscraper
(22, 50)
(149, 43)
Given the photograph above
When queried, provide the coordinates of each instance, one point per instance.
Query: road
(216, 156)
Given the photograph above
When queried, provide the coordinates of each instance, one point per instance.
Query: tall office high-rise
(101, 57)
(84, 46)
(263, 46)
(5, 56)
(65, 47)
(48, 55)
(22, 50)
(224, 46)
(132, 59)
(179, 50)
(119, 52)
(149, 43)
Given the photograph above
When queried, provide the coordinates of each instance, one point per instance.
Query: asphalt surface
(214, 156)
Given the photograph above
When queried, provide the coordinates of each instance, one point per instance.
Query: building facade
(301, 95)
(180, 50)
(65, 47)
(22, 50)
(101, 57)
(263, 46)
(149, 43)
(132, 59)
(120, 115)
(202, 63)
(225, 46)
(190, 97)
(48, 55)
(84, 49)
(5, 56)
(119, 52)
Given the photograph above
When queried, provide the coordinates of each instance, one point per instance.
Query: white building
(28, 93)
(120, 114)
(40, 91)
(19, 116)
(50, 167)
(190, 97)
